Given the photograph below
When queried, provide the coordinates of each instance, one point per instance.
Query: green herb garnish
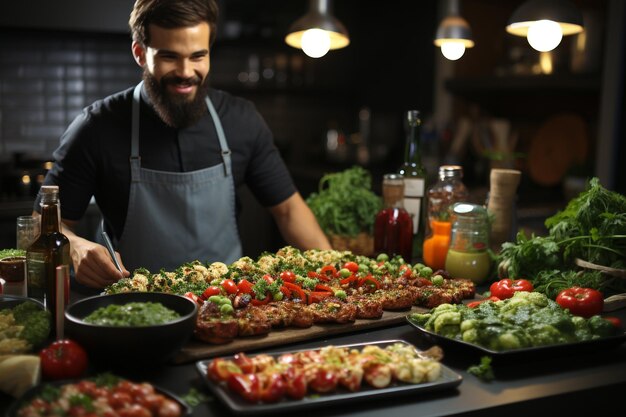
(483, 370)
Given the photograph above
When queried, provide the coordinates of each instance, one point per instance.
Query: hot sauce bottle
(393, 227)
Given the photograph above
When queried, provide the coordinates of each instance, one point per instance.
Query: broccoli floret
(35, 320)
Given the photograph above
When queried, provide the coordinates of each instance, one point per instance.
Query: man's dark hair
(171, 14)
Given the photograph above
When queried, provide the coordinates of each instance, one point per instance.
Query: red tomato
(288, 276)
(195, 298)
(244, 363)
(475, 304)
(268, 278)
(328, 271)
(246, 385)
(584, 302)
(505, 288)
(63, 359)
(295, 383)
(405, 270)
(245, 286)
(210, 291)
(134, 410)
(221, 369)
(230, 286)
(324, 380)
(272, 387)
(615, 321)
(351, 266)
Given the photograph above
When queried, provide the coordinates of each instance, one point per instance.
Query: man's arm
(93, 266)
(298, 224)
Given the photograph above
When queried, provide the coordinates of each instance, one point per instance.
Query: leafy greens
(345, 203)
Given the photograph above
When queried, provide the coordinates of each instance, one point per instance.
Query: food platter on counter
(38, 390)
(447, 380)
(554, 350)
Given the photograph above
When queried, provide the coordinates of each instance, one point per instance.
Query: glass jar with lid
(447, 191)
(467, 255)
(393, 226)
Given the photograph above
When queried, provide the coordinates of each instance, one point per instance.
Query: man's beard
(176, 111)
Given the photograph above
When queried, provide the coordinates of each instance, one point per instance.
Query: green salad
(132, 314)
(528, 319)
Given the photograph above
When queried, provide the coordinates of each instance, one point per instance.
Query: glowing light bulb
(452, 50)
(315, 43)
(544, 35)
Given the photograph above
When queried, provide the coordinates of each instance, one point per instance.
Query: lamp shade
(318, 17)
(454, 28)
(566, 14)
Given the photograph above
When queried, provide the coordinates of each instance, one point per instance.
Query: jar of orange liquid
(447, 191)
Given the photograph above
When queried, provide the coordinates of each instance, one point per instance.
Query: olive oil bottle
(49, 250)
(414, 175)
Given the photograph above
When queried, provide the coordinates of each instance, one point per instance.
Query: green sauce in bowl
(132, 315)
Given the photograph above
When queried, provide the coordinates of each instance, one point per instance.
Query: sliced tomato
(317, 296)
(257, 302)
(348, 280)
(295, 383)
(245, 286)
(370, 281)
(312, 274)
(328, 271)
(194, 297)
(246, 385)
(230, 286)
(296, 291)
(268, 278)
(272, 387)
(322, 287)
(244, 362)
(286, 292)
(405, 270)
(221, 369)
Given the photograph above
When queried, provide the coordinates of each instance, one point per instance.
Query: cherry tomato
(505, 288)
(230, 286)
(244, 363)
(295, 383)
(584, 302)
(221, 369)
(328, 271)
(272, 387)
(288, 276)
(244, 286)
(615, 321)
(210, 291)
(405, 270)
(268, 278)
(63, 359)
(351, 266)
(246, 385)
(475, 304)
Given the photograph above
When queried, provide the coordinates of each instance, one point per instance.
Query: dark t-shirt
(93, 158)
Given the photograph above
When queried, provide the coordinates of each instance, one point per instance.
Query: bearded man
(164, 159)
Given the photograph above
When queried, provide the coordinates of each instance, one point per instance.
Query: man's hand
(92, 264)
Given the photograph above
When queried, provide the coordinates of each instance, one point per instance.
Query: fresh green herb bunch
(345, 204)
(592, 227)
(11, 253)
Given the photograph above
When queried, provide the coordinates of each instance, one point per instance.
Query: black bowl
(131, 346)
(12, 301)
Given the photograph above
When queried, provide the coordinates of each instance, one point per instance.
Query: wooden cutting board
(196, 350)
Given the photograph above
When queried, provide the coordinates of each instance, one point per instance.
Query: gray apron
(179, 217)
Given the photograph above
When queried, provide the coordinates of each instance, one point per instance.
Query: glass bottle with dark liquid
(51, 249)
(393, 227)
(414, 173)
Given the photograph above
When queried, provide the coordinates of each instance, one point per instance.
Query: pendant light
(545, 22)
(318, 31)
(454, 34)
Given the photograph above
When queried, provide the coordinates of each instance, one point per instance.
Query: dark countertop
(576, 383)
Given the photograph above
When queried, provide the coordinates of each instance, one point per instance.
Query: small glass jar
(393, 227)
(467, 255)
(27, 230)
(447, 191)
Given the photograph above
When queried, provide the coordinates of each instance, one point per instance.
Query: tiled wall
(46, 78)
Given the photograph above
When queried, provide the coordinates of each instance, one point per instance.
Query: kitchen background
(558, 118)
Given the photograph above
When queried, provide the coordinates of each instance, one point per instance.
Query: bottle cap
(49, 189)
(449, 171)
(413, 116)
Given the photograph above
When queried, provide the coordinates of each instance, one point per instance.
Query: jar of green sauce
(467, 255)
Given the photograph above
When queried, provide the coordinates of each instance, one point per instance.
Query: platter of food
(290, 381)
(293, 295)
(103, 394)
(527, 325)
